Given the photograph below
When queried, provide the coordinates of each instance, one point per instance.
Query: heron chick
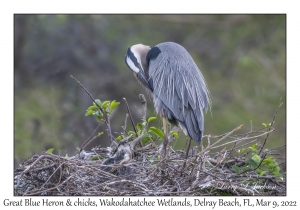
(179, 91)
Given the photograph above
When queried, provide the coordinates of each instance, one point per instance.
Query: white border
(8, 8)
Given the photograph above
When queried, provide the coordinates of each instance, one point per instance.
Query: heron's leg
(187, 151)
(165, 143)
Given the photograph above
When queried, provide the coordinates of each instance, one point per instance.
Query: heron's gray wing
(180, 86)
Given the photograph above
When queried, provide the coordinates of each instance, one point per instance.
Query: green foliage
(146, 139)
(119, 138)
(157, 131)
(236, 169)
(266, 125)
(113, 105)
(174, 133)
(96, 109)
(151, 118)
(263, 167)
(50, 150)
(102, 109)
(270, 165)
(96, 158)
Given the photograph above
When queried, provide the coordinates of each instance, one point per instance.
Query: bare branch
(280, 104)
(129, 113)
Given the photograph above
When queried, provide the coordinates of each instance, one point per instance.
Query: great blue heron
(178, 88)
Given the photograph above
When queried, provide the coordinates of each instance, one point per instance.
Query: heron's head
(135, 59)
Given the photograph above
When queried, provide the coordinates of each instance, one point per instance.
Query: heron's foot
(162, 151)
(163, 148)
(165, 145)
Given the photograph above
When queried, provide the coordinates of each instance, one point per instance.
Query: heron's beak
(143, 79)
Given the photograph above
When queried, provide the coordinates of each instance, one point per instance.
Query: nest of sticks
(128, 169)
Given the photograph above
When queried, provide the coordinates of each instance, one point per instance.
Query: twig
(228, 155)
(87, 93)
(51, 176)
(270, 128)
(128, 110)
(108, 130)
(242, 139)
(27, 169)
(125, 123)
(106, 117)
(88, 142)
(224, 137)
(90, 139)
(38, 191)
(276, 148)
(138, 185)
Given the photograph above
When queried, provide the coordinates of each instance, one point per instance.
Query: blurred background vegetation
(242, 57)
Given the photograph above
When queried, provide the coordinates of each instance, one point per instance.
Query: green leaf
(98, 102)
(263, 173)
(258, 171)
(139, 126)
(99, 118)
(50, 150)
(89, 112)
(119, 138)
(256, 159)
(113, 105)
(94, 107)
(269, 160)
(266, 125)
(131, 132)
(66, 156)
(236, 169)
(145, 140)
(251, 163)
(100, 133)
(105, 104)
(95, 158)
(98, 113)
(174, 133)
(157, 132)
(253, 149)
(151, 118)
